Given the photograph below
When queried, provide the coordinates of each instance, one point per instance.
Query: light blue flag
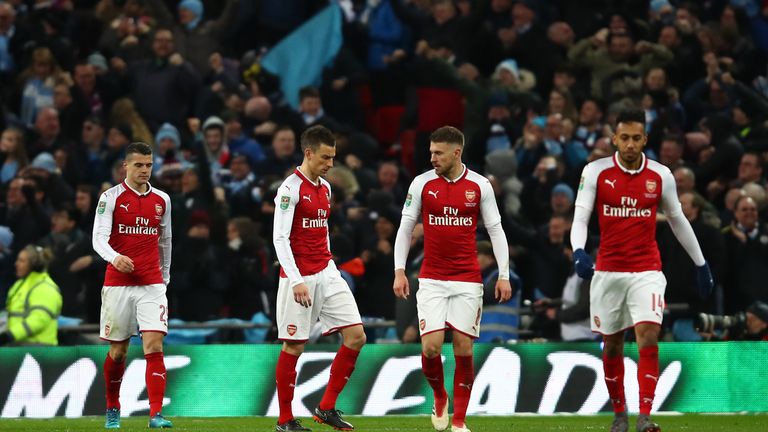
(300, 57)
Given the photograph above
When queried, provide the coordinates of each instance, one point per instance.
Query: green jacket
(34, 304)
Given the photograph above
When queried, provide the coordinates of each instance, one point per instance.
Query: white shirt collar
(629, 171)
(149, 188)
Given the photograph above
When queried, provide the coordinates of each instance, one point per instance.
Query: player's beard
(444, 169)
(629, 157)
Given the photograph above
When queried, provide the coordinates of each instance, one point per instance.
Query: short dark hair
(676, 138)
(633, 115)
(282, 128)
(598, 103)
(138, 148)
(447, 134)
(315, 136)
(308, 92)
(72, 213)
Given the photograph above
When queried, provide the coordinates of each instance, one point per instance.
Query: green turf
(688, 422)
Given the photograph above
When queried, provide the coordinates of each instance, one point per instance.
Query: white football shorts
(124, 309)
(332, 303)
(621, 300)
(449, 304)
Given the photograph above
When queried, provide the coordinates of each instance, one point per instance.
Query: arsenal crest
(291, 329)
(159, 209)
(107, 330)
(422, 324)
(650, 186)
(597, 321)
(469, 195)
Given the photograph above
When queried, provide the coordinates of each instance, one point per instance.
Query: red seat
(407, 145)
(386, 124)
(439, 107)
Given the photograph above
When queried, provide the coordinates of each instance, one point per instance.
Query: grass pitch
(524, 423)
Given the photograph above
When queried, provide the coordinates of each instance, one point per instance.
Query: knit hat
(213, 121)
(199, 217)
(196, 7)
(98, 61)
(511, 66)
(562, 188)
(45, 161)
(657, 5)
(168, 130)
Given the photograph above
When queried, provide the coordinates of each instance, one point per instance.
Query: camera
(708, 323)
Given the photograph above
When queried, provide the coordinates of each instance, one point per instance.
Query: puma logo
(116, 381)
(433, 193)
(649, 376)
(432, 379)
(611, 183)
(467, 386)
(125, 206)
(614, 379)
(161, 375)
(307, 197)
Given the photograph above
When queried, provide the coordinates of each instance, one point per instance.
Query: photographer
(751, 325)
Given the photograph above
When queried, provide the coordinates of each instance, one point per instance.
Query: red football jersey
(300, 230)
(626, 203)
(449, 212)
(137, 225)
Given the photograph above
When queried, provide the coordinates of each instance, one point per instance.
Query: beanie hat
(196, 7)
(168, 130)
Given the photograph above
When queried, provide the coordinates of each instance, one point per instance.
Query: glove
(704, 281)
(583, 263)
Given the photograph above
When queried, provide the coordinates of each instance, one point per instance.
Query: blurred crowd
(534, 85)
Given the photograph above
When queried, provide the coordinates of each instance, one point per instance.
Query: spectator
(250, 287)
(239, 142)
(196, 39)
(685, 179)
(167, 147)
(282, 157)
(746, 242)
(37, 82)
(671, 152)
(93, 148)
(164, 86)
(23, 214)
(200, 279)
(676, 265)
(501, 320)
(242, 189)
(13, 152)
(605, 54)
(98, 90)
(68, 244)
